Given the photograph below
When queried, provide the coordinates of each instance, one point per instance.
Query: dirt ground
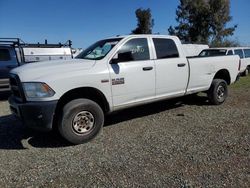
(179, 143)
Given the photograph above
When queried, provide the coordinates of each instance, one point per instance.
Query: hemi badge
(118, 81)
(104, 81)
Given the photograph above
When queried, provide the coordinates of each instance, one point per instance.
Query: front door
(133, 78)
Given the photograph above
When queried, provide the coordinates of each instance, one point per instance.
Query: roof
(228, 48)
(143, 35)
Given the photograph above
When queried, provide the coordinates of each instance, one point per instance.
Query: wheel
(245, 73)
(218, 92)
(81, 121)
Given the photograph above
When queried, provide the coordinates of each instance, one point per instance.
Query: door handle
(147, 68)
(181, 65)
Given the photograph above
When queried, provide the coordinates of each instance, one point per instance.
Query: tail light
(239, 65)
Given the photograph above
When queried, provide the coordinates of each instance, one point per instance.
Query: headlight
(37, 90)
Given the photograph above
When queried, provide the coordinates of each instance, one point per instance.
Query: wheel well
(224, 75)
(86, 92)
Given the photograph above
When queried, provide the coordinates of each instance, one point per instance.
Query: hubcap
(220, 92)
(83, 122)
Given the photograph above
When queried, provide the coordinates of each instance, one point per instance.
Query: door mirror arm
(114, 60)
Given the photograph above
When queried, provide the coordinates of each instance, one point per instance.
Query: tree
(203, 21)
(145, 22)
(220, 16)
(226, 43)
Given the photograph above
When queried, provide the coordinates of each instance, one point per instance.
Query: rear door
(7, 62)
(171, 68)
(133, 80)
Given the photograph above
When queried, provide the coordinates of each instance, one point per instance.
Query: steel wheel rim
(83, 122)
(220, 92)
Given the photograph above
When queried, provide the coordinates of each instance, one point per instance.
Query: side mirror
(122, 57)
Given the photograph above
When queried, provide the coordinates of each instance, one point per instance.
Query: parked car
(14, 52)
(243, 52)
(73, 96)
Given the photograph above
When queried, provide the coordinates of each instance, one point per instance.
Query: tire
(246, 72)
(218, 92)
(81, 121)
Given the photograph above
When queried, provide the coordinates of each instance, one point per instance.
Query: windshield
(98, 50)
(214, 52)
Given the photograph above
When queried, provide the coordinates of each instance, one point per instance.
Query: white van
(243, 52)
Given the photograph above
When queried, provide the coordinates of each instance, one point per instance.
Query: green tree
(203, 21)
(145, 22)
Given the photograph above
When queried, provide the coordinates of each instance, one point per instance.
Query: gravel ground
(177, 143)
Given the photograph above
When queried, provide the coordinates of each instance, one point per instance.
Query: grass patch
(243, 83)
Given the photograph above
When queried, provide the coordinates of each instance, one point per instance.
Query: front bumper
(37, 115)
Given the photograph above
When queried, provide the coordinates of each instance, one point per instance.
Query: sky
(84, 22)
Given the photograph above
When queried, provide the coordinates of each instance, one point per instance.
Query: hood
(38, 70)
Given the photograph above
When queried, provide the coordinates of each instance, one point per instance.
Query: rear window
(207, 53)
(165, 48)
(230, 52)
(247, 53)
(240, 53)
(4, 55)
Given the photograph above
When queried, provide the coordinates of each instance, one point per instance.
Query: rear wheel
(246, 72)
(218, 92)
(81, 121)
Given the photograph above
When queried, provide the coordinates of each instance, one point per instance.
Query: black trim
(36, 115)
(147, 68)
(18, 86)
(181, 64)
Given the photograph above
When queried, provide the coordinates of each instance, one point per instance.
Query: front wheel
(81, 121)
(218, 92)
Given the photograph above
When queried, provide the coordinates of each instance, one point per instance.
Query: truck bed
(203, 69)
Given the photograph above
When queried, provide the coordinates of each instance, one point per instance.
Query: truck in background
(242, 52)
(76, 51)
(14, 52)
(194, 49)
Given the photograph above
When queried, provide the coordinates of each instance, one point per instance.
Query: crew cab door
(7, 62)
(171, 69)
(132, 73)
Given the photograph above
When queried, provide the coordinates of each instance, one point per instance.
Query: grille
(16, 87)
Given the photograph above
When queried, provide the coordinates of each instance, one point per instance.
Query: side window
(4, 55)
(247, 53)
(230, 52)
(240, 53)
(165, 48)
(138, 49)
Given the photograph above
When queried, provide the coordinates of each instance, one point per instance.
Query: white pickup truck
(112, 74)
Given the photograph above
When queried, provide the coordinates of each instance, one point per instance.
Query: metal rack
(17, 42)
